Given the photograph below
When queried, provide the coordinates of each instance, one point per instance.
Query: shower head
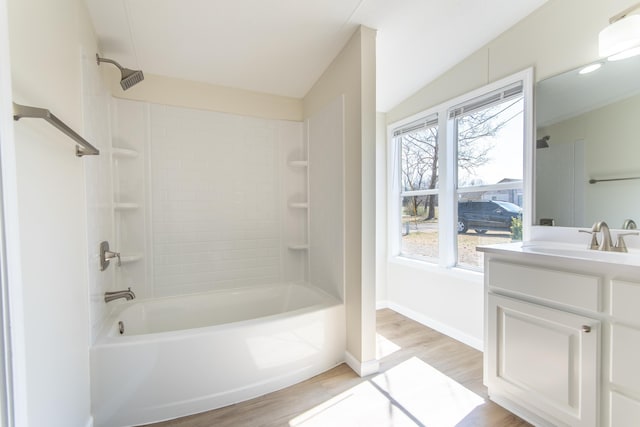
(543, 142)
(129, 77)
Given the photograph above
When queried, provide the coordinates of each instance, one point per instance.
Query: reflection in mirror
(588, 146)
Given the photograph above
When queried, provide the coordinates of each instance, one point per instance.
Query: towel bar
(23, 111)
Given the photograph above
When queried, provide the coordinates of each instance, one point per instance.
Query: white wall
(51, 323)
(183, 93)
(381, 210)
(352, 75)
(325, 130)
(559, 36)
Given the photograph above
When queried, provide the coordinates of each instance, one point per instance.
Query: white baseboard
(382, 304)
(438, 326)
(363, 369)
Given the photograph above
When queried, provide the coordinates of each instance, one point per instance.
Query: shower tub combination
(188, 354)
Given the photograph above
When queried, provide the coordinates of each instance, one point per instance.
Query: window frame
(447, 171)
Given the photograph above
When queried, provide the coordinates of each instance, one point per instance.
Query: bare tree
(419, 156)
(419, 151)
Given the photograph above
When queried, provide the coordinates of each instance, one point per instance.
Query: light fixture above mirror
(621, 38)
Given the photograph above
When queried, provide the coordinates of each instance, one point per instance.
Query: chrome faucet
(110, 296)
(605, 245)
(601, 226)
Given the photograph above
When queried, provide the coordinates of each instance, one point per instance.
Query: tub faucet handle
(106, 255)
(109, 255)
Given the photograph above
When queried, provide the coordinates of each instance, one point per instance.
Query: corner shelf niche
(298, 240)
(125, 206)
(299, 163)
(299, 205)
(298, 247)
(123, 153)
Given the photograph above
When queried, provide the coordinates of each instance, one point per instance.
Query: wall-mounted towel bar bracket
(83, 148)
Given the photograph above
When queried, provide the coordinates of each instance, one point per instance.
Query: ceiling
(282, 47)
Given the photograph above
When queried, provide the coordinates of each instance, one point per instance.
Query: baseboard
(382, 304)
(89, 422)
(438, 326)
(523, 413)
(363, 369)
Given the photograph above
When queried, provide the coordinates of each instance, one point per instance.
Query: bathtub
(183, 355)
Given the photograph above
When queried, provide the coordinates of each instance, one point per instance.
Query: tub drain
(121, 327)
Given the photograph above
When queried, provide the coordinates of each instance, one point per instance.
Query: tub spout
(110, 296)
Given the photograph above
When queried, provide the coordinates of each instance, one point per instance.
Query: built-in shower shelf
(126, 258)
(126, 206)
(299, 205)
(124, 153)
(299, 247)
(299, 163)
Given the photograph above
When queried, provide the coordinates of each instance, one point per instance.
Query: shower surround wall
(226, 198)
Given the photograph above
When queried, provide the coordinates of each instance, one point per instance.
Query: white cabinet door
(544, 360)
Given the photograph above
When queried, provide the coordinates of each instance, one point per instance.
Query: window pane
(419, 168)
(489, 144)
(489, 152)
(486, 218)
(419, 151)
(419, 226)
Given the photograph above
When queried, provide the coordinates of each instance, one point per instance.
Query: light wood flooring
(426, 379)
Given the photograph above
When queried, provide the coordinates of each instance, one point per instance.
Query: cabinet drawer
(625, 354)
(625, 412)
(625, 300)
(571, 289)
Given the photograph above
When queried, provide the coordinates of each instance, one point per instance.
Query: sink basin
(580, 252)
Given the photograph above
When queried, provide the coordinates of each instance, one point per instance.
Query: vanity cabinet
(562, 338)
(540, 356)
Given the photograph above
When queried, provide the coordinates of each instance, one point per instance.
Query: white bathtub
(188, 354)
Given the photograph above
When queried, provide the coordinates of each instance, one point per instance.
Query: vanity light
(621, 39)
(590, 68)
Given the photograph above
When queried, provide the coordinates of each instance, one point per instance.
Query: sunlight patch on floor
(385, 347)
(410, 394)
(431, 397)
(362, 405)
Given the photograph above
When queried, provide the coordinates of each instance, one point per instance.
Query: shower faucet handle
(106, 255)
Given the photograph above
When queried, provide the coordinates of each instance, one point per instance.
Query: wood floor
(426, 379)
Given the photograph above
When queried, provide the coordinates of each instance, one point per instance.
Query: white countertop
(564, 251)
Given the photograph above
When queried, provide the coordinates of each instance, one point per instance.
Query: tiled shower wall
(98, 187)
(219, 191)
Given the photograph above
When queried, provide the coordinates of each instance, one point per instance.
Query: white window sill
(431, 267)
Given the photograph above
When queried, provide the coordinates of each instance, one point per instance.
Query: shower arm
(110, 61)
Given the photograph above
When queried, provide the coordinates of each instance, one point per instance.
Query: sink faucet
(110, 296)
(602, 226)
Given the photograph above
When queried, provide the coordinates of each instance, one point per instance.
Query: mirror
(588, 146)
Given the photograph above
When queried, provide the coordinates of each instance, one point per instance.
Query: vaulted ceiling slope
(282, 47)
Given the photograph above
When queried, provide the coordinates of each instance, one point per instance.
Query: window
(489, 143)
(459, 175)
(418, 146)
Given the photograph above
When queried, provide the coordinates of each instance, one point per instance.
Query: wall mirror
(587, 151)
